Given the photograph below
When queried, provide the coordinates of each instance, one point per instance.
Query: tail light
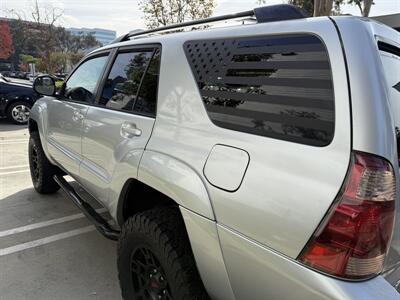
(353, 239)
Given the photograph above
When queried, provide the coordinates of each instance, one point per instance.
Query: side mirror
(45, 85)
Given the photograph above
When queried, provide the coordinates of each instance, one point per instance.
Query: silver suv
(253, 161)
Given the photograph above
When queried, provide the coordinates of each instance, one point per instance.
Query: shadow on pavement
(6, 125)
(26, 206)
(78, 267)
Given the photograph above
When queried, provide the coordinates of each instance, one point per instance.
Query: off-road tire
(162, 232)
(42, 170)
(10, 108)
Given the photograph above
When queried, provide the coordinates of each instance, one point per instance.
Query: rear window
(274, 86)
(390, 57)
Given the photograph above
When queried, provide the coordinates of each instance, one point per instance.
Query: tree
(25, 61)
(323, 7)
(20, 40)
(57, 62)
(307, 5)
(6, 45)
(28, 59)
(164, 12)
(72, 43)
(35, 33)
(327, 7)
(45, 18)
(74, 58)
(363, 5)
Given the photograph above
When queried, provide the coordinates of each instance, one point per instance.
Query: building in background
(104, 36)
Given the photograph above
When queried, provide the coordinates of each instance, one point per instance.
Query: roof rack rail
(279, 12)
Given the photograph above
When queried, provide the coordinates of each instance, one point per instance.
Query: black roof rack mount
(272, 13)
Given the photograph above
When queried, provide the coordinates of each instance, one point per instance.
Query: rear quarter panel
(288, 187)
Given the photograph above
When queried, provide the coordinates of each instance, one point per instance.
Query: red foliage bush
(6, 45)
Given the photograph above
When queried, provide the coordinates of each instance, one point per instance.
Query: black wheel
(18, 112)
(42, 170)
(155, 260)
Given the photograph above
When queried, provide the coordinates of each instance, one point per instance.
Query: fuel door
(226, 166)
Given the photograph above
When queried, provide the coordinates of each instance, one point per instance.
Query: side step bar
(101, 224)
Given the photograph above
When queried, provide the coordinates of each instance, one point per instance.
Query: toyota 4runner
(253, 161)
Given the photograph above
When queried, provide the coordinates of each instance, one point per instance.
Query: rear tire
(42, 170)
(155, 260)
(18, 112)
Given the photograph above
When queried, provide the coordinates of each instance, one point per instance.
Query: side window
(147, 97)
(123, 82)
(82, 83)
(274, 86)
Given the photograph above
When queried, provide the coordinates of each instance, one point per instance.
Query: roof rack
(279, 12)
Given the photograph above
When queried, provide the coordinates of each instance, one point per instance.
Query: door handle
(129, 130)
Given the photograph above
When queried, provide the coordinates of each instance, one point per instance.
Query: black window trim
(389, 48)
(198, 40)
(114, 53)
(107, 53)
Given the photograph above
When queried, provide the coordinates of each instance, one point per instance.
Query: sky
(125, 15)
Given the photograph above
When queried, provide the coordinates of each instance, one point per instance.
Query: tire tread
(46, 183)
(164, 225)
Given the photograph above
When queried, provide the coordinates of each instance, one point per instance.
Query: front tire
(18, 112)
(155, 260)
(42, 170)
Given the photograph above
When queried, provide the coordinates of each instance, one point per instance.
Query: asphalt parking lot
(48, 250)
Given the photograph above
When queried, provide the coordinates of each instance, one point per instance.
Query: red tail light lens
(353, 239)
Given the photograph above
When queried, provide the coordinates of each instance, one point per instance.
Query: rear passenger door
(119, 124)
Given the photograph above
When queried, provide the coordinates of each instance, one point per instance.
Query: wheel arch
(131, 198)
(32, 126)
(164, 180)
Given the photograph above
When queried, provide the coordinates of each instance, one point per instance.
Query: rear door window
(132, 83)
(147, 96)
(273, 86)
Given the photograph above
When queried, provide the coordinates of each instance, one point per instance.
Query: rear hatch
(389, 52)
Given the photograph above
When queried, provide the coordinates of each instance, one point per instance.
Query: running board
(99, 222)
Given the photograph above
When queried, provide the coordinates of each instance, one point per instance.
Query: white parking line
(45, 223)
(14, 167)
(14, 139)
(46, 240)
(13, 172)
(13, 142)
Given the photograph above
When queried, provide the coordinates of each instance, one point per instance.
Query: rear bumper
(393, 277)
(256, 272)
